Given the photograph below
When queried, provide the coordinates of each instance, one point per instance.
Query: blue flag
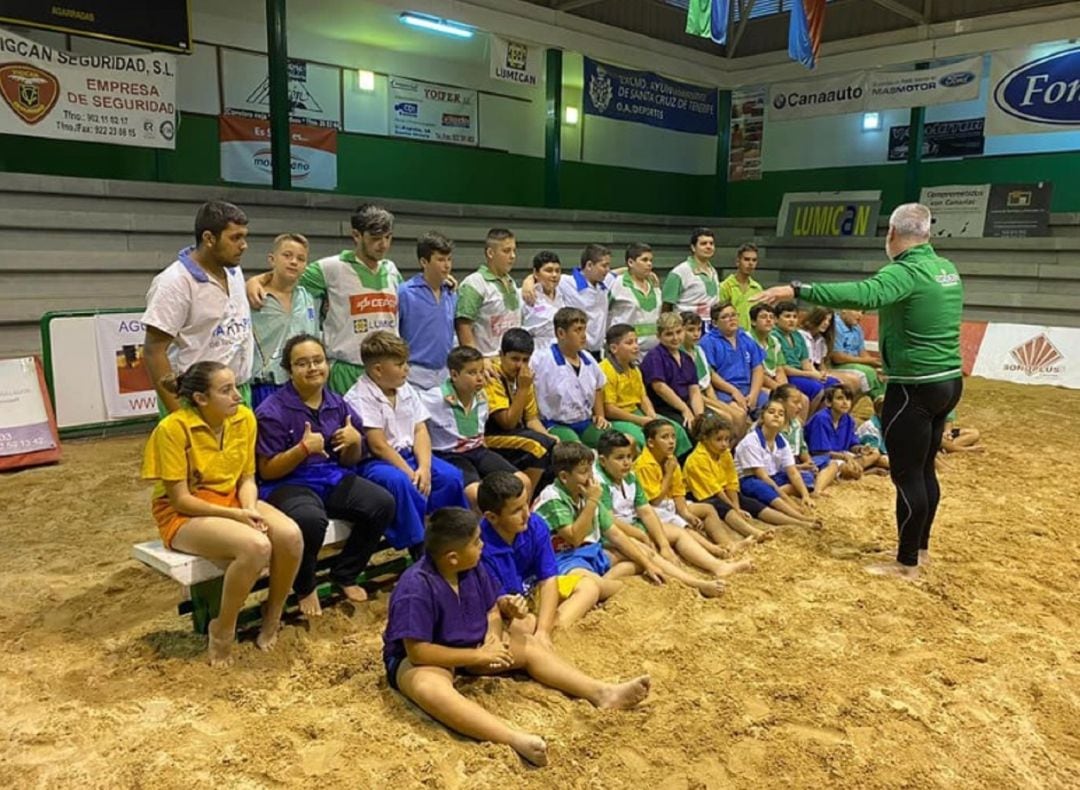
(804, 31)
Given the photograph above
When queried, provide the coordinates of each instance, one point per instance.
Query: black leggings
(912, 420)
(367, 507)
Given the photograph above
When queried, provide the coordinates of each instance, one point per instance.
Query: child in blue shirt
(444, 618)
(831, 434)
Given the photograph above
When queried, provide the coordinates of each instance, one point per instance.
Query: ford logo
(956, 79)
(1046, 90)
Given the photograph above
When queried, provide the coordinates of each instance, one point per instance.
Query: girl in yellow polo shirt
(205, 501)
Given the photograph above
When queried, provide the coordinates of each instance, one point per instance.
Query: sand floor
(806, 672)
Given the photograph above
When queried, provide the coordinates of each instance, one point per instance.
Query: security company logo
(1046, 90)
(29, 91)
(1037, 356)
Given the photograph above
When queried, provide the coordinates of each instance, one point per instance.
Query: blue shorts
(763, 398)
(758, 489)
(811, 388)
(588, 556)
(393, 664)
(821, 461)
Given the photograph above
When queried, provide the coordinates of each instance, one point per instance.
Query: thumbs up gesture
(313, 442)
(346, 436)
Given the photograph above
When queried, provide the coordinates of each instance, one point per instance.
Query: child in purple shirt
(830, 434)
(671, 375)
(444, 617)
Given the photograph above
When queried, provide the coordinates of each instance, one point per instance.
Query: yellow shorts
(567, 585)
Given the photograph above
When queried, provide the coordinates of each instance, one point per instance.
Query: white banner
(245, 153)
(314, 91)
(24, 422)
(1030, 355)
(957, 211)
(125, 378)
(121, 99)
(514, 61)
(425, 111)
(829, 96)
(1034, 90)
(892, 90)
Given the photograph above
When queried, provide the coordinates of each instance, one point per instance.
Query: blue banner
(645, 97)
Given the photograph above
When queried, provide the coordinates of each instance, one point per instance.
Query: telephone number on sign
(113, 131)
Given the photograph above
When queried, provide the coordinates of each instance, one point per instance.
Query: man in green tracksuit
(919, 299)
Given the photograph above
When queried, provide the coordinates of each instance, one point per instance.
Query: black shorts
(749, 504)
(477, 464)
(393, 664)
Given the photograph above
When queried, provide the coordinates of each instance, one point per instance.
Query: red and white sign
(122, 99)
(1030, 354)
(27, 425)
(245, 153)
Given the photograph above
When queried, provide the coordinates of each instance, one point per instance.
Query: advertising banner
(25, 425)
(1019, 210)
(120, 99)
(646, 97)
(1036, 89)
(941, 139)
(747, 133)
(514, 61)
(125, 379)
(829, 214)
(830, 96)
(1030, 355)
(245, 153)
(957, 211)
(426, 111)
(897, 90)
(314, 90)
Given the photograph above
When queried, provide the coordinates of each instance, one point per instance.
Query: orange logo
(28, 90)
(372, 303)
(1037, 355)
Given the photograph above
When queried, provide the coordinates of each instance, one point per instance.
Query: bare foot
(876, 470)
(268, 634)
(895, 569)
(620, 696)
(763, 535)
(310, 606)
(531, 747)
(924, 557)
(355, 593)
(728, 568)
(711, 589)
(720, 552)
(219, 647)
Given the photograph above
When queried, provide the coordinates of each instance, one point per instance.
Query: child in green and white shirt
(488, 299)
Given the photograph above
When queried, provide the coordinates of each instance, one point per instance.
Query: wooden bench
(202, 579)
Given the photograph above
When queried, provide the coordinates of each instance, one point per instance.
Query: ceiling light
(447, 26)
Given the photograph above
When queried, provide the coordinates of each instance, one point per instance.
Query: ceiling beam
(902, 10)
(570, 5)
(745, 7)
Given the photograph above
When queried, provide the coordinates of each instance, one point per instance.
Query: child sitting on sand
(830, 435)
(443, 618)
(959, 440)
(824, 468)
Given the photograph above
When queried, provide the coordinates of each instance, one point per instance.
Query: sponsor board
(958, 211)
(515, 61)
(747, 133)
(941, 139)
(829, 96)
(429, 111)
(1028, 354)
(246, 156)
(167, 26)
(646, 97)
(314, 91)
(120, 99)
(1035, 89)
(829, 214)
(27, 426)
(126, 386)
(1019, 210)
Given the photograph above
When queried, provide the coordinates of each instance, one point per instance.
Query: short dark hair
(594, 253)
(517, 339)
(496, 490)
(373, 219)
(293, 342)
(610, 441)
(786, 307)
(697, 233)
(545, 257)
(636, 249)
(566, 317)
(708, 424)
(830, 393)
(617, 332)
(760, 308)
(215, 216)
(690, 318)
(783, 392)
(448, 529)
(460, 356)
(653, 427)
(495, 235)
(745, 247)
(568, 456)
(718, 306)
(432, 242)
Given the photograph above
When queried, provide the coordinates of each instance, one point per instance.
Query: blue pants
(758, 489)
(763, 398)
(407, 528)
(588, 557)
(811, 388)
